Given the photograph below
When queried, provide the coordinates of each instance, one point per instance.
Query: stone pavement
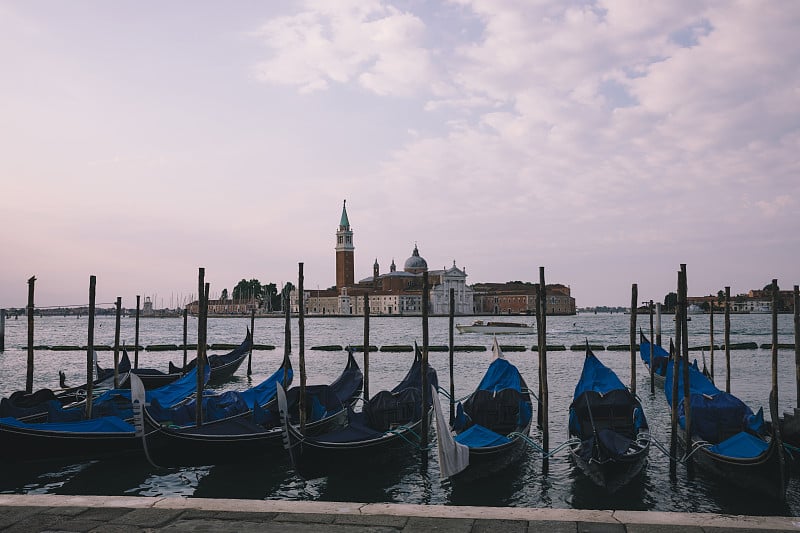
(29, 513)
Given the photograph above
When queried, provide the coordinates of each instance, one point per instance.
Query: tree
(270, 292)
(246, 290)
(670, 301)
(224, 295)
(720, 297)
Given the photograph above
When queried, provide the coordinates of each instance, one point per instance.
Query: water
(410, 482)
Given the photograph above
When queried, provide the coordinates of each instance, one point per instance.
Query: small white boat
(479, 326)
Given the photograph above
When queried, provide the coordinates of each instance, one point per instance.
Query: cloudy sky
(606, 141)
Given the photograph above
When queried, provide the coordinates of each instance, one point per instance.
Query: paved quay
(120, 514)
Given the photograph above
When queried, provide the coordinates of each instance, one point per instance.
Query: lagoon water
(524, 485)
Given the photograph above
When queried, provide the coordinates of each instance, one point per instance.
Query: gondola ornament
(137, 404)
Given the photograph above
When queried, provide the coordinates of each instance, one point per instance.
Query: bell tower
(345, 261)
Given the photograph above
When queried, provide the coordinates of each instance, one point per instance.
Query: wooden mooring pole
(252, 340)
(658, 325)
(538, 313)
(29, 376)
(775, 338)
(287, 326)
(116, 341)
(426, 394)
(652, 351)
(201, 344)
(136, 333)
(451, 346)
(543, 370)
(634, 304)
(676, 355)
(2, 330)
(366, 347)
(711, 336)
(185, 336)
(90, 348)
(301, 339)
(796, 302)
(727, 335)
(684, 324)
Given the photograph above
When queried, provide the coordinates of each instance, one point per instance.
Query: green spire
(345, 223)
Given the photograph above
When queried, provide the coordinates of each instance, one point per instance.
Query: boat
(609, 435)
(254, 429)
(387, 428)
(497, 327)
(728, 440)
(68, 434)
(661, 359)
(490, 425)
(223, 366)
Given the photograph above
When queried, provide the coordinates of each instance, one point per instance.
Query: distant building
(514, 298)
(226, 307)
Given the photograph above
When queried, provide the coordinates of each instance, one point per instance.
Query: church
(391, 293)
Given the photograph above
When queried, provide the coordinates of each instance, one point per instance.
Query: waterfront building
(516, 297)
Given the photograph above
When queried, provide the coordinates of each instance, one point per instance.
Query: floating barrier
(582, 347)
(551, 348)
(102, 348)
(162, 348)
(438, 348)
(360, 348)
(512, 348)
(329, 348)
(743, 346)
(264, 347)
(397, 348)
(620, 347)
(66, 348)
(469, 348)
(781, 346)
(705, 347)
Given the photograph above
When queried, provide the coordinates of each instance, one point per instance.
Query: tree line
(267, 294)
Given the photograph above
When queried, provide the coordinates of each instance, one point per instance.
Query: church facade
(390, 293)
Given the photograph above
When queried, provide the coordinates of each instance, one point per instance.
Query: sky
(607, 142)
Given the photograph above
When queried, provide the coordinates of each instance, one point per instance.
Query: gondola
(661, 359)
(254, 429)
(34, 406)
(728, 439)
(67, 433)
(609, 436)
(490, 426)
(223, 366)
(386, 428)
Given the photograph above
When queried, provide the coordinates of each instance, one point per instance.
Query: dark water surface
(414, 481)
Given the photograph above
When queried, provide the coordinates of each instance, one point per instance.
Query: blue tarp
(742, 445)
(167, 395)
(264, 392)
(660, 355)
(596, 377)
(501, 375)
(106, 424)
(698, 383)
(478, 436)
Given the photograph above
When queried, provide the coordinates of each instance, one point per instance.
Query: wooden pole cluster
(366, 346)
(202, 288)
(425, 392)
(634, 303)
(451, 346)
(652, 351)
(684, 325)
(116, 341)
(90, 348)
(797, 340)
(542, 329)
(301, 339)
(727, 339)
(29, 377)
(185, 336)
(711, 337)
(136, 332)
(252, 340)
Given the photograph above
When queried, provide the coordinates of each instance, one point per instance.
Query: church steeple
(345, 260)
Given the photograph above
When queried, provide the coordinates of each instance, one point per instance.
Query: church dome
(415, 263)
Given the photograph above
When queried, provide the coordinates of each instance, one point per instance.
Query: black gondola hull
(612, 475)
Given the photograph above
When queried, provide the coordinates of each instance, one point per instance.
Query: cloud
(374, 44)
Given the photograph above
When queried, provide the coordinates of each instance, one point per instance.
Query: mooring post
(136, 335)
(301, 339)
(252, 340)
(687, 406)
(116, 342)
(29, 377)
(539, 329)
(658, 325)
(451, 346)
(185, 337)
(797, 341)
(676, 355)
(201, 345)
(366, 346)
(2, 330)
(711, 336)
(287, 327)
(90, 348)
(775, 338)
(634, 310)
(652, 351)
(727, 335)
(425, 392)
(543, 377)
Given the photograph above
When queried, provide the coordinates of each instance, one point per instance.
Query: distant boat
(694, 309)
(479, 326)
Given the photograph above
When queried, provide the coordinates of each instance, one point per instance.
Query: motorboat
(479, 326)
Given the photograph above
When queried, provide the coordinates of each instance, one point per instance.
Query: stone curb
(655, 518)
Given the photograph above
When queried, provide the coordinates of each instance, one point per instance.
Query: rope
(533, 444)
(663, 449)
(697, 446)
